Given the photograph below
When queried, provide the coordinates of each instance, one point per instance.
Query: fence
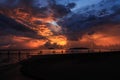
(14, 56)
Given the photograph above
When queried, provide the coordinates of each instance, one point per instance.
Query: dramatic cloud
(38, 23)
(17, 42)
(104, 36)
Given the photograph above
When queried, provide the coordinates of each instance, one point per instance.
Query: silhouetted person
(62, 52)
(54, 51)
(40, 52)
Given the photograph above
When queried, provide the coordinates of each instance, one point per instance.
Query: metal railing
(14, 56)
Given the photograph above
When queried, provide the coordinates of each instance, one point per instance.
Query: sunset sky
(59, 23)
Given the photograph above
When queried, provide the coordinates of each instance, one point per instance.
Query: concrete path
(12, 72)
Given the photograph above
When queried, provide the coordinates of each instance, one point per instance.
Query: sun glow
(59, 40)
(47, 28)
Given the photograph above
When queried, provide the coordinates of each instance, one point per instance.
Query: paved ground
(65, 67)
(95, 66)
(12, 72)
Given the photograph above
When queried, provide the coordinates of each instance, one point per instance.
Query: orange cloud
(25, 42)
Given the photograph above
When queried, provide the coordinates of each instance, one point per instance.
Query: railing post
(99, 51)
(0, 53)
(40, 52)
(88, 50)
(8, 55)
(19, 56)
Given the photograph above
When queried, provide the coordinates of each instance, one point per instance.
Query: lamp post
(91, 43)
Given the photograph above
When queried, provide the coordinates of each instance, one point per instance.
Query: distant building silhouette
(77, 50)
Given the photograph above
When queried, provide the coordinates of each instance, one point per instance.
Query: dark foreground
(95, 66)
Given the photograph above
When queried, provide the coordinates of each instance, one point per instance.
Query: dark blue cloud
(9, 26)
(85, 18)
